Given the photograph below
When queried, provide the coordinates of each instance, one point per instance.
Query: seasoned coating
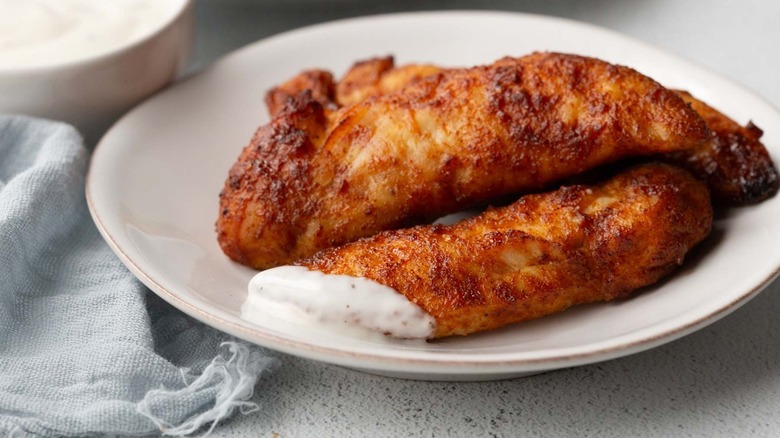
(377, 76)
(733, 161)
(736, 166)
(312, 179)
(319, 83)
(540, 255)
(367, 78)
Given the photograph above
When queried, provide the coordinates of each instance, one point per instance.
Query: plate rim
(435, 365)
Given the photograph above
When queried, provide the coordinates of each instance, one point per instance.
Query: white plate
(155, 177)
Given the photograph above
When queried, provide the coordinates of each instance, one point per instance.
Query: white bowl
(92, 91)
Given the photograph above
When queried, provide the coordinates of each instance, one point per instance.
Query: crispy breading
(733, 161)
(312, 179)
(540, 255)
(319, 83)
(377, 76)
(366, 78)
(362, 77)
(385, 79)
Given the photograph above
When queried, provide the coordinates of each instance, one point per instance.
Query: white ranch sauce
(339, 303)
(42, 32)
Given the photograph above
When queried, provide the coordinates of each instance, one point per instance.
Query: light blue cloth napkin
(84, 347)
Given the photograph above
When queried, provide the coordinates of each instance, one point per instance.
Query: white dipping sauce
(41, 32)
(340, 302)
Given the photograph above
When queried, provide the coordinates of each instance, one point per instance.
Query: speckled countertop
(723, 380)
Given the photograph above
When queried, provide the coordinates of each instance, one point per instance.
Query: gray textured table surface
(721, 381)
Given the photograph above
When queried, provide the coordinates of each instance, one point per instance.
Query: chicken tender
(540, 255)
(733, 161)
(313, 179)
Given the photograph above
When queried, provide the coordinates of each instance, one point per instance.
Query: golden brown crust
(319, 83)
(736, 166)
(734, 163)
(312, 179)
(540, 255)
(371, 77)
(362, 78)
(377, 76)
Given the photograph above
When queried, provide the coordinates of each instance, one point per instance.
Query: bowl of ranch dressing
(86, 62)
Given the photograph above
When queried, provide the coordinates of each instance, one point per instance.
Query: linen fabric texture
(85, 348)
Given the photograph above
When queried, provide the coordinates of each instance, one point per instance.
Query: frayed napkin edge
(239, 374)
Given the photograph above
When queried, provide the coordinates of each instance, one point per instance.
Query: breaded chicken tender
(540, 255)
(733, 161)
(312, 179)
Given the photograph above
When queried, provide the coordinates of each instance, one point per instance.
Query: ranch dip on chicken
(340, 302)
